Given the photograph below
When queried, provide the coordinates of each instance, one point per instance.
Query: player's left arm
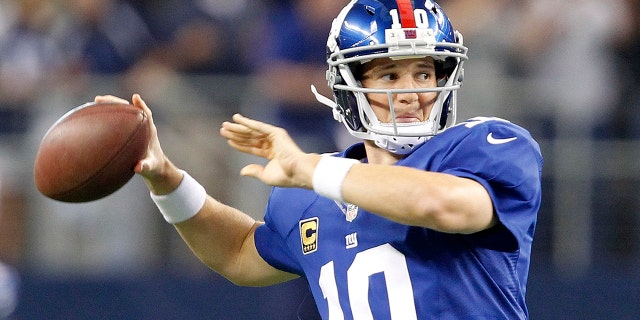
(438, 201)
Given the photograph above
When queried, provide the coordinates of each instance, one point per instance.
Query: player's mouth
(407, 119)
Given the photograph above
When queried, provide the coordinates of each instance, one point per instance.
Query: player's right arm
(220, 236)
(223, 238)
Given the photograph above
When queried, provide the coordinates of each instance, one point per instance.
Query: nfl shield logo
(351, 212)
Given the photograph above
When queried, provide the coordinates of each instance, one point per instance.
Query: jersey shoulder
(491, 130)
(496, 137)
(491, 149)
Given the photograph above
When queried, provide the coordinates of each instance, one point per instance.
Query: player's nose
(407, 82)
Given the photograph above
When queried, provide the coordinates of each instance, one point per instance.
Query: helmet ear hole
(344, 100)
(444, 68)
(347, 105)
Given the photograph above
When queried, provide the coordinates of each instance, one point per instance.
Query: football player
(424, 219)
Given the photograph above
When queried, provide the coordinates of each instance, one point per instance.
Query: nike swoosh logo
(493, 140)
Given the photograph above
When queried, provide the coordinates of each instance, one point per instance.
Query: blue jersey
(362, 266)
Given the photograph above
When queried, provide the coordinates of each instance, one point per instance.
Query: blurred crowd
(564, 69)
(578, 54)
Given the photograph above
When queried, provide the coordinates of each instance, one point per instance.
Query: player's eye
(425, 75)
(389, 77)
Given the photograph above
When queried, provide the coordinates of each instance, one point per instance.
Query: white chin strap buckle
(398, 145)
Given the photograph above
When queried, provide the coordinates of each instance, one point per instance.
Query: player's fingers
(252, 170)
(139, 102)
(109, 99)
(235, 129)
(149, 165)
(263, 131)
(242, 137)
(253, 124)
(249, 148)
(140, 167)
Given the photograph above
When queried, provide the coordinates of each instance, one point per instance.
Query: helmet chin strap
(327, 102)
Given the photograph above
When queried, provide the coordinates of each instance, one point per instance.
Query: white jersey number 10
(383, 259)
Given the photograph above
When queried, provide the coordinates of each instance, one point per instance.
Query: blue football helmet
(396, 29)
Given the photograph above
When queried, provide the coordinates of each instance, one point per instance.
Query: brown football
(91, 151)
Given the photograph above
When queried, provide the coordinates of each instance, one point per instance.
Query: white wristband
(329, 175)
(182, 203)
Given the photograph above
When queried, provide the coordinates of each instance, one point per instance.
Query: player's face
(401, 74)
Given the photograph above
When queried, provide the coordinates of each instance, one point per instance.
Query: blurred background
(569, 71)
